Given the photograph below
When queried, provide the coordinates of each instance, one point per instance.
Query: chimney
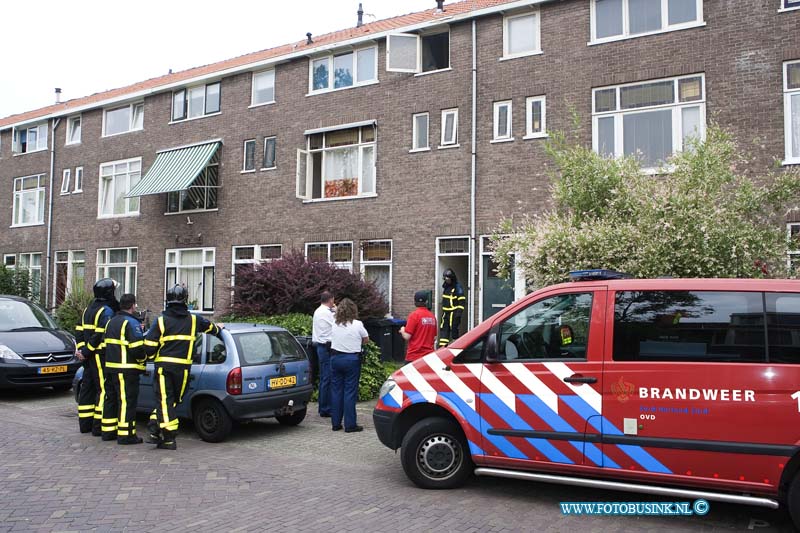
(308, 38)
(360, 16)
(58, 95)
(440, 6)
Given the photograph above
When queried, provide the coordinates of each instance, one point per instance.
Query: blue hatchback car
(254, 371)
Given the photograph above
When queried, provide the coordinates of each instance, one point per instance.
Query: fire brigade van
(673, 387)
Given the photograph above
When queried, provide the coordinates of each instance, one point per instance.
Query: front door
(498, 292)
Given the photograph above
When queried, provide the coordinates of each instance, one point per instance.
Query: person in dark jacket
(124, 356)
(453, 304)
(170, 341)
(89, 336)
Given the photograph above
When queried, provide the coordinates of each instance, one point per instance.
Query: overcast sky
(89, 46)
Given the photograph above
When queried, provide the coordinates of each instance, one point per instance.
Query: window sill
(448, 146)
(26, 225)
(16, 154)
(192, 212)
(354, 86)
(121, 133)
(76, 143)
(181, 121)
(318, 200)
(790, 162)
(517, 56)
(247, 171)
(535, 136)
(785, 9)
(418, 150)
(267, 169)
(656, 32)
(109, 217)
(498, 141)
(65, 193)
(262, 104)
(78, 191)
(448, 69)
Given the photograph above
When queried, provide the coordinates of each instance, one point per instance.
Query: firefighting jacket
(171, 339)
(123, 344)
(453, 300)
(89, 332)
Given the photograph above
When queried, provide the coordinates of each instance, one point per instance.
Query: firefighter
(171, 342)
(453, 304)
(89, 336)
(123, 347)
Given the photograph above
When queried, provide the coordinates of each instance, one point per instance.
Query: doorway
(453, 253)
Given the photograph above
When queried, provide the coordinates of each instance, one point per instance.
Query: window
(535, 117)
(263, 87)
(269, 153)
(793, 231)
(521, 35)
(28, 201)
(30, 139)
(201, 194)
(783, 327)
(650, 120)
(32, 264)
(65, 181)
(419, 134)
(616, 19)
(78, 180)
(9, 260)
(791, 96)
(116, 179)
(502, 121)
(195, 102)
(790, 4)
(248, 257)
(553, 328)
(450, 127)
(194, 269)
(74, 130)
(118, 264)
(408, 52)
(337, 164)
(689, 326)
(347, 69)
(338, 253)
(123, 119)
(376, 266)
(70, 273)
(249, 160)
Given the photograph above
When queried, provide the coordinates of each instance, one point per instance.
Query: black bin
(398, 342)
(380, 332)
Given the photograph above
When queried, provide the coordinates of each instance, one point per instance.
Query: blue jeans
(324, 360)
(345, 371)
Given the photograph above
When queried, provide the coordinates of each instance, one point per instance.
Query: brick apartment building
(392, 147)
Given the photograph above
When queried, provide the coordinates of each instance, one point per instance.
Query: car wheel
(793, 501)
(292, 419)
(211, 420)
(435, 455)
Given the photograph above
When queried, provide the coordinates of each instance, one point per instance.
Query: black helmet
(450, 274)
(104, 289)
(177, 295)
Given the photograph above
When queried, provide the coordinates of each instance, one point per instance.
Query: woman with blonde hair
(347, 338)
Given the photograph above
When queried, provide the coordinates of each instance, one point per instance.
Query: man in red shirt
(420, 329)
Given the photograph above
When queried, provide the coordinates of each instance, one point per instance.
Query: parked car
(34, 351)
(254, 371)
(674, 387)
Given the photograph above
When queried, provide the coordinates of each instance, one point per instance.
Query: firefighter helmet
(104, 289)
(177, 295)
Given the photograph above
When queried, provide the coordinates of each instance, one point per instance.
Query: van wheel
(435, 455)
(292, 419)
(211, 420)
(793, 501)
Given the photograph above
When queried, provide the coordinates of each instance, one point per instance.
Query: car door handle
(577, 378)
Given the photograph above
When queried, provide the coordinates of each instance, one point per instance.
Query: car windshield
(18, 316)
(260, 347)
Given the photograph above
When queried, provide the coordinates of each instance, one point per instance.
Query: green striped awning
(175, 169)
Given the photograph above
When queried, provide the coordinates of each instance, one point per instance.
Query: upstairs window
(196, 102)
(340, 254)
(65, 179)
(263, 87)
(419, 134)
(201, 194)
(74, 130)
(449, 127)
(269, 160)
(123, 119)
(409, 52)
(616, 19)
(342, 70)
(28, 201)
(502, 121)
(30, 139)
(791, 98)
(790, 4)
(521, 35)
(116, 180)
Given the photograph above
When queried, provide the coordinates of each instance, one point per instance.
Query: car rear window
(261, 347)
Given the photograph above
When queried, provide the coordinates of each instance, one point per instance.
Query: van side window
(783, 327)
(553, 328)
(472, 354)
(689, 326)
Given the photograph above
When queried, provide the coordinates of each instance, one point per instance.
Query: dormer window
(409, 52)
(30, 139)
(195, 102)
(343, 70)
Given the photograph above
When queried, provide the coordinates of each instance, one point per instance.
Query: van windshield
(262, 347)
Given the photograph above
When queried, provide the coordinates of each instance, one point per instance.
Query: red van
(675, 387)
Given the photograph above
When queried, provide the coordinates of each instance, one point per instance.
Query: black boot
(155, 433)
(167, 445)
(130, 439)
(107, 436)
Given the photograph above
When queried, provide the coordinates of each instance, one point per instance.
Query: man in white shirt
(321, 339)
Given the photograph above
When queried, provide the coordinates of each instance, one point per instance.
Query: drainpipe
(54, 124)
(473, 155)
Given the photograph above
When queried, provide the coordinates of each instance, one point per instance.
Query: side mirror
(492, 355)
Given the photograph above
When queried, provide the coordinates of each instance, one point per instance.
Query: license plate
(286, 381)
(53, 369)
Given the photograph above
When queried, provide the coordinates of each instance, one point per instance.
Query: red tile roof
(394, 23)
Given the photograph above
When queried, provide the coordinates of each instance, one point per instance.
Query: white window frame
(366, 263)
(449, 143)
(41, 140)
(414, 147)
(172, 261)
(275, 162)
(71, 123)
(418, 39)
(128, 201)
(677, 119)
(244, 156)
(130, 265)
(529, 133)
(497, 135)
(253, 102)
(537, 32)
(78, 180)
(13, 260)
(256, 260)
(665, 26)
(329, 57)
(71, 263)
(787, 115)
(34, 273)
(39, 203)
(132, 126)
(789, 5)
(204, 173)
(65, 178)
(186, 99)
(346, 265)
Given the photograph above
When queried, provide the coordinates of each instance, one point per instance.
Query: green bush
(69, 313)
(295, 323)
(15, 282)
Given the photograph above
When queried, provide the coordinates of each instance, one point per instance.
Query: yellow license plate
(287, 381)
(53, 369)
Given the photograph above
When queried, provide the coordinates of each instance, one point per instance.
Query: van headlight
(387, 387)
(8, 354)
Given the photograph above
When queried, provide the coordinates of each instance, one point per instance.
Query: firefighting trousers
(88, 395)
(123, 389)
(448, 327)
(110, 406)
(169, 384)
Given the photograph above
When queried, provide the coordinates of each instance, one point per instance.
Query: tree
(15, 282)
(701, 216)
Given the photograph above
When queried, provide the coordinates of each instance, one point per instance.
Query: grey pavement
(267, 477)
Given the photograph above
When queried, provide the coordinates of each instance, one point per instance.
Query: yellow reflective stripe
(166, 338)
(86, 415)
(134, 366)
(80, 345)
(86, 407)
(135, 344)
(163, 390)
(161, 359)
(185, 381)
(117, 342)
(150, 343)
(87, 327)
(123, 408)
(78, 328)
(161, 327)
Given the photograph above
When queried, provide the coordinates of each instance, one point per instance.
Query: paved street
(271, 478)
